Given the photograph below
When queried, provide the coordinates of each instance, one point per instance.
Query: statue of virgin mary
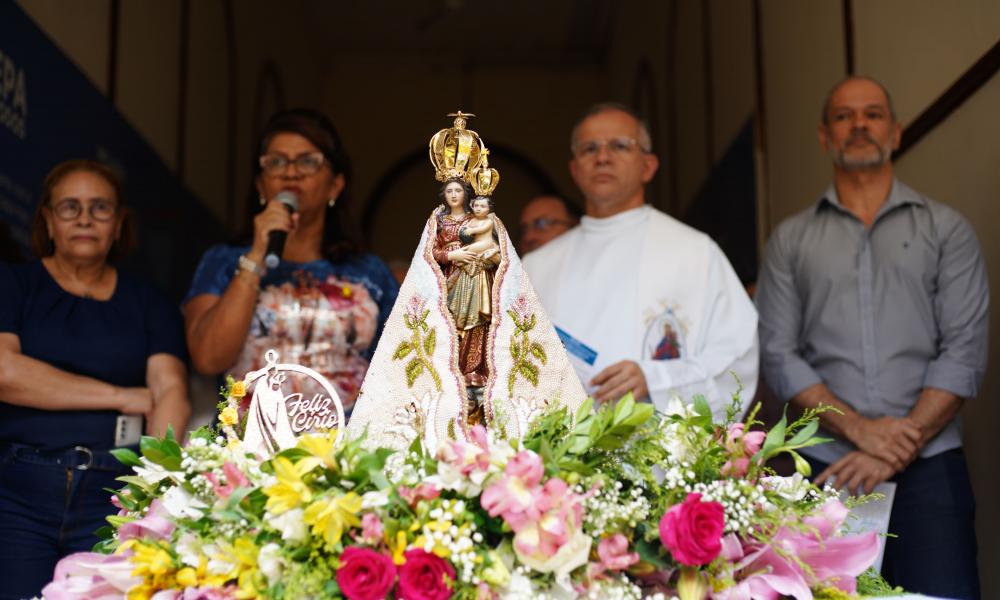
(467, 341)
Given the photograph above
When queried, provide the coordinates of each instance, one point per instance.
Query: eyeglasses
(619, 146)
(100, 210)
(306, 164)
(543, 224)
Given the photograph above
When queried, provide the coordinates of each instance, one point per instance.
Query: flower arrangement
(612, 502)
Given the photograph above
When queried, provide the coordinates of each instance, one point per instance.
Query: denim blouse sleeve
(385, 297)
(214, 272)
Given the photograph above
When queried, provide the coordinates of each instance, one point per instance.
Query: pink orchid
(741, 447)
(234, 479)
(156, 525)
(91, 575)
(516, 490)
(371, 528)
(832, 560)
(614, 554)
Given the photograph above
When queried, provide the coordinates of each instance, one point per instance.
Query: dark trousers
(933, 517)
(49, 509)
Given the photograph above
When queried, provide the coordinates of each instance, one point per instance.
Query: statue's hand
(461, 256)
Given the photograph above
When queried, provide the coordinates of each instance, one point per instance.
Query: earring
(331, 202)
(262, 201)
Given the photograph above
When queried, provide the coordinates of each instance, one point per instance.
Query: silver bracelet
(249, 264)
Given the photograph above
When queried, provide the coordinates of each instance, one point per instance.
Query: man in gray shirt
(874, 300)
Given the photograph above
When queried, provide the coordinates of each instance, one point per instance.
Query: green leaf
(423, 317)
(513, 316)
(623, 408)
(775, 439)
(413, 370)
(430, 342)
(538, 352)
(531, 322)
(515, 350)
(803, 435)
(402, 350)
(127, 457)
(409, 322)
(586, 410)
(530, 372)
(701, 406)
(165, 453)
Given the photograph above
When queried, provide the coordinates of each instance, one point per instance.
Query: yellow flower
(290, 491)
(228, 416)
(400, 549)
(187, 577)
(239, 389)
(321, 446)
(151, 561)
(346, 291)
(331, 516)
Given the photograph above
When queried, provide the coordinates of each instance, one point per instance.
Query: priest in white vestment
(645, 303)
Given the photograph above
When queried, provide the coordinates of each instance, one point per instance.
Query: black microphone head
(289, 199)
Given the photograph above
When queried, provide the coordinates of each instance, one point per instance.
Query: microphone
(276, 239)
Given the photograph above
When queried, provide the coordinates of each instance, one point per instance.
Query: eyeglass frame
(626, 145)
(54, 209)
(291, 161)
(535, 224)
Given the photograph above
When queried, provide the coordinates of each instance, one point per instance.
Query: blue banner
(50, 112)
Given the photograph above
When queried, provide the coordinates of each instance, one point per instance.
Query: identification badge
(582, 357)
(128, 430)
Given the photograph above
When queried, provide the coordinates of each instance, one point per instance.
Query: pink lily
(156, 525)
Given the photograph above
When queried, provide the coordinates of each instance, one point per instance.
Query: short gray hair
(645, 140)
(825, 116)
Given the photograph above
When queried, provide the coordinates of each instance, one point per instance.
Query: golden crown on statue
(484, 178)
(456, 151)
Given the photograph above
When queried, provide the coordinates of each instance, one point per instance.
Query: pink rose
(365, 574)
(692, 531)
(425, 576)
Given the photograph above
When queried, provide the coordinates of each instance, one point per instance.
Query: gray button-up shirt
(877, 314)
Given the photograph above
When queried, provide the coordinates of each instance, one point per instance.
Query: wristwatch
(249, 264)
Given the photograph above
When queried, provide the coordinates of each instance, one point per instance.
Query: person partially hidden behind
(655, 301)
(86, 351)
(874, 301)
(543, 219)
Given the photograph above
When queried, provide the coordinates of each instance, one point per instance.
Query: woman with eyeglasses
(87, 353)
(325, 303)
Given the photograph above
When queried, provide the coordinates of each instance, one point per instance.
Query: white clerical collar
(615, 223)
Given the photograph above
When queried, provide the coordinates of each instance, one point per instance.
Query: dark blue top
(110, 340)
(320, 314)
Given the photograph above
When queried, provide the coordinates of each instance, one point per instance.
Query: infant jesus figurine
(479, 233)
